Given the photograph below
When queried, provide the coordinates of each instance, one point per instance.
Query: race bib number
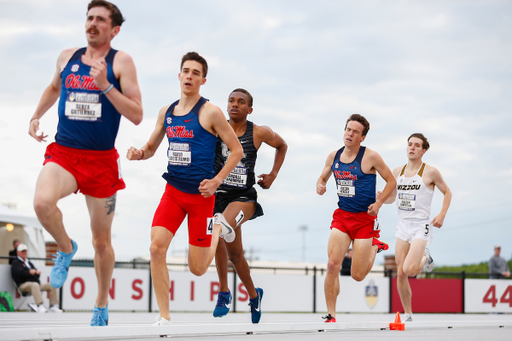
(179, 154)
(82, 106)
(376, 225)
(406, 202)
(346, 188)
(209, 226)
(237, 178)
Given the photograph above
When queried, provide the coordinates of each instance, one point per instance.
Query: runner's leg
(402, 282)
(337, 246)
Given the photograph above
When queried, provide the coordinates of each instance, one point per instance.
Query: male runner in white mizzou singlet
(354, 168)
(416, 182)
(236, 198)
(97, 85)
(191, 126)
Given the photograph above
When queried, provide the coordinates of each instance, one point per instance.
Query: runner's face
(98, 26)
(353, 134)
(191, 77)
(415, 148)
(238, 106)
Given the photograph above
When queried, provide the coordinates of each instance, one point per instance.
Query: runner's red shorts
(358, 225)
(175, 205)
(97, 172)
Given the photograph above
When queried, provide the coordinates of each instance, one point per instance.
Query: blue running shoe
(99, 317)
(255, 304)
(60, 268)
(223, 304)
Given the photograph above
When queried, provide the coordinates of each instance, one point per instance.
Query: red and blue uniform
(356, 192)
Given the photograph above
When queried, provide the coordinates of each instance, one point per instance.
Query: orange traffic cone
(397, 325)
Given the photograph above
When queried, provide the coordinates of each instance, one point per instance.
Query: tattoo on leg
(111, 204)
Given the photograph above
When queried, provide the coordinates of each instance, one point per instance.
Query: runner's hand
(320, 189)
(99, 73)
(32, 131)
(133, 154)
(373, 209)
(207, 187)
(266, 180)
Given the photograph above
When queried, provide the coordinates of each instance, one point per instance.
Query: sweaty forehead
(354, 125)
(415, 140)
(238, 95)
(99, 11)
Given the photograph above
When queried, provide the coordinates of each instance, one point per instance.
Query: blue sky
(442, 68)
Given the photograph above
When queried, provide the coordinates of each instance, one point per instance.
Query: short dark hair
(359, 118)
(245, 92)
(15, 241)
(197, 58)
(425, 145)
(115, 13)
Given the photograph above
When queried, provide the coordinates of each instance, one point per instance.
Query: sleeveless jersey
(242, 177)
(414, 198)
(356, 190)
(191, 150)
(87, 119)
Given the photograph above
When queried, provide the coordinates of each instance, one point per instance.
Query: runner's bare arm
(392, 197)
(438, 181)
(217, 121)
(50, 96)
(380, 166)
(128, 103)
(273, 139)
(326, 173)
(149, 149)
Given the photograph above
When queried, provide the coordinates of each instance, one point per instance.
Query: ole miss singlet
(242, 177)
(87, 119)
(356, 190)
(414, 198)
(191, 150)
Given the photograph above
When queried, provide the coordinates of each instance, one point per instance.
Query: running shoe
(60, 268)
(227, 231)
(381, 245)
(429, 265)
(55, 309)
(99, 317)
(223, 304)
(160, 321)
(255, 304)
(33, 307)
(407, 318)
(329, 319)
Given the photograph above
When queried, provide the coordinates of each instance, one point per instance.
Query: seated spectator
(13, 253)
(498, 267)
(26, 277)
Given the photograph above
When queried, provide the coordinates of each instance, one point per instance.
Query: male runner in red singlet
(354, 168)
(97, 85)
(191, 126)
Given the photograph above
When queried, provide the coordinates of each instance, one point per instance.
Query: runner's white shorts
(408, 230)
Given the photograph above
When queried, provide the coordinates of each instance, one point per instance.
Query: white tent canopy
(32, 232)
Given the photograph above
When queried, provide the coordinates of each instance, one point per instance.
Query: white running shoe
(429, 265)
(160, 321)
(227, 231)
(41, 308)
(33, 307)
(407, 318)
(54, 309)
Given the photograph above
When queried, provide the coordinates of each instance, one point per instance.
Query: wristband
(142, 156)
(108, 89)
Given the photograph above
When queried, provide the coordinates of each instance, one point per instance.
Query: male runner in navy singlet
(96, 85)
(236, 198)
(354, 168)
(191, 125)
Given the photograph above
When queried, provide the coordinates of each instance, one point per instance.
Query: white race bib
(83, 106)
(406, 202)
(346, 188)
(237, 178)
(179, 154)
